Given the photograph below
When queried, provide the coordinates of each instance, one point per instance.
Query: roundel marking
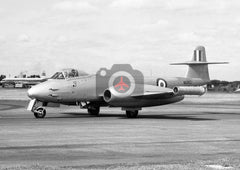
(161, 83)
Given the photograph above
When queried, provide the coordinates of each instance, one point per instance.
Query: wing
(154, 92)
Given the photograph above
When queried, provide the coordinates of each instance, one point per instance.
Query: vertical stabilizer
(198, 66)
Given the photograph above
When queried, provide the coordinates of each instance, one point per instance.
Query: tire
(131, 114)
(94, 111)
(40, 112)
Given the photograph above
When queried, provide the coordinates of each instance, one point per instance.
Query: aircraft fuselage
(83, 89)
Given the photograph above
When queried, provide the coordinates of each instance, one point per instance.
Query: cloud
(115, 31)
(2, 39)
(161, 23)
(155, 26)
(128, 3)
(195, 37)
(23, 38)
(167, 5)
(137, 4)
(176, 4)
(80, 6)
(188, 37)
(62, 39)
(219, 5)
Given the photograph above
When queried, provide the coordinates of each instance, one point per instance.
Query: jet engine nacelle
(189, 90)
(119, 100)
(113, 99)
(108, 96)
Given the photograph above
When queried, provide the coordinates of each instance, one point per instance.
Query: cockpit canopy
(68, 73)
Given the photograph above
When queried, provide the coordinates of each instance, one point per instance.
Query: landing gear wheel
(132, 113)
(40, 112)
(94, 111)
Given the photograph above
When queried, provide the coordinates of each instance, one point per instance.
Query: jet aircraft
(21, 82)
(73, 87)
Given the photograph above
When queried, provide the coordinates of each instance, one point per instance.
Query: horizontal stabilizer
(198, 63)
(198, 66)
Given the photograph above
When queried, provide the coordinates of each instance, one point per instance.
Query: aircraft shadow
(123, 116)
(219, 113)
(174, 117)
(86, 115)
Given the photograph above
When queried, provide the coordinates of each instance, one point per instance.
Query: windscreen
(68, 73)
(58, 75)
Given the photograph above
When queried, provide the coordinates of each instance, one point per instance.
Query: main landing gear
(131, 113)
(94, 111)
(91, 108)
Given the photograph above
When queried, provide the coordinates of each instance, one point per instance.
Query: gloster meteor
(121, 86)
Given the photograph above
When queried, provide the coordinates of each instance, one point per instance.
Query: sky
(48, 35)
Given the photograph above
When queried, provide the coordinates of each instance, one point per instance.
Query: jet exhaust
(114, 99)
(107, 95)
(110, 97)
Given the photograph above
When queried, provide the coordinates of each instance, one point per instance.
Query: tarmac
(188, 135)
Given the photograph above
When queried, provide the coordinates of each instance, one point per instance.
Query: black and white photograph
(119, 84)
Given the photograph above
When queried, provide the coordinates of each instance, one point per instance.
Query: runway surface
(196, 132)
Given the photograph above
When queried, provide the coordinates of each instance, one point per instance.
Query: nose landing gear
(39, 112)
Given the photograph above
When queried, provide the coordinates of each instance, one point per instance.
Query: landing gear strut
(132, 113)
(94, 111)
(39, 112)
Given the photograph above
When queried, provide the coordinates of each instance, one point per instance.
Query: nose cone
(32, 92)
(37, 92)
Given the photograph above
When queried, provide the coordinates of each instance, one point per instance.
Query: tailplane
(198, 66)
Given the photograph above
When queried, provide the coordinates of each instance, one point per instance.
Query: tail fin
(198, 67)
